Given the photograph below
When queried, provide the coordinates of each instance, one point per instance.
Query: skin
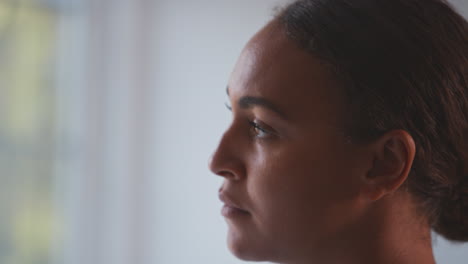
(312, 196)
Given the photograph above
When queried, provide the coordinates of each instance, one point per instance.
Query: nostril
(227, 167)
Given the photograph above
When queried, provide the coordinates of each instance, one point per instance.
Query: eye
(259, 130)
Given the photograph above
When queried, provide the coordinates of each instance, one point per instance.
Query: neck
(391, 234)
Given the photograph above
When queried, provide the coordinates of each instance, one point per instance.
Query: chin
(247, 249)
(242, 252)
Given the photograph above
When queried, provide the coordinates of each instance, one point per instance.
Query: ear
(393, 155)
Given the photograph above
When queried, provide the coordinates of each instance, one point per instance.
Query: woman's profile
(349, 134)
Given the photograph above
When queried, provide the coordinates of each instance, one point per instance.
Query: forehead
(274, 67)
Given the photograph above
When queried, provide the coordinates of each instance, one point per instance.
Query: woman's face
(284, 158)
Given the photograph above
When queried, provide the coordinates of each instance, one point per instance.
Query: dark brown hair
(403, 65)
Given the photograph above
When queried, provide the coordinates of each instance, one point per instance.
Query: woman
(349, 139)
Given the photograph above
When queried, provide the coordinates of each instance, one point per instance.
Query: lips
(230, 204)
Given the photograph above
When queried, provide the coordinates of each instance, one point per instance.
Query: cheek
(297, 171)
(299, 189)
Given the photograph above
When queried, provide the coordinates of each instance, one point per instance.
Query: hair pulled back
(403, 65)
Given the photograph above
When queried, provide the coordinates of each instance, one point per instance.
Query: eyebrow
(246, 102)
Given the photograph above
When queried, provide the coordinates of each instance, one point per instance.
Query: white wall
(196, 44)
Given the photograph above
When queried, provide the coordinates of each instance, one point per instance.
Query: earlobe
(393, 155)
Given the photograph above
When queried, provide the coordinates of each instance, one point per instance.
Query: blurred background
(109, 111)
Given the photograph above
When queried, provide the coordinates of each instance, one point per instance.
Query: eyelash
(258, 130)
(255, 127)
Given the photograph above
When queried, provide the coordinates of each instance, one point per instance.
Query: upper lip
(227, 200)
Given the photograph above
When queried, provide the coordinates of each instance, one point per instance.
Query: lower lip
(230, 212)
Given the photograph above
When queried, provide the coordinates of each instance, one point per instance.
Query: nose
(226, 160)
